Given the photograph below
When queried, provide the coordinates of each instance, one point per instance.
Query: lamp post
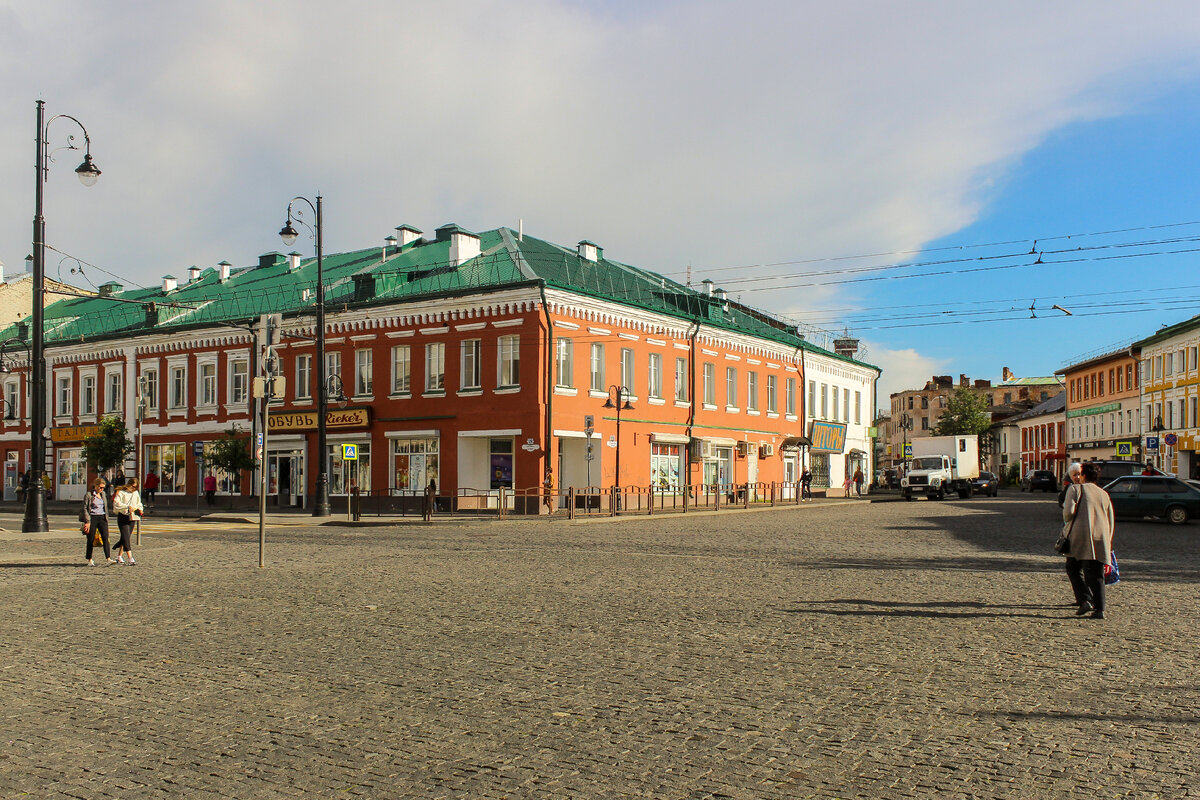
(288, 234)
(906, 425)
(621, 392)
(35, 501)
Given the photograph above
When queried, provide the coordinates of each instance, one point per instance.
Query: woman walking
(127, 505)
(97, 510)
(1088, 526)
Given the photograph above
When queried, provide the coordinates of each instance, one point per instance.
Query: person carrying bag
(1088, 521)
(127, 505)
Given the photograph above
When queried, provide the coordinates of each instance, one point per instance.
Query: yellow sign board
(307, 420)
(73, 433)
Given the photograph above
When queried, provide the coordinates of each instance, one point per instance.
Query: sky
(765, 145)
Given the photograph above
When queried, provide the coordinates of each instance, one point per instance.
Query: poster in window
(501, 470)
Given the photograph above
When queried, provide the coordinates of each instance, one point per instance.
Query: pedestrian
(430, 500)
(1088, 525)
(210, 489)
(1074, 476)
(151, 486)
(96, 507)
(858, 481)
(127, 505)
(24, 485)
(806, 485)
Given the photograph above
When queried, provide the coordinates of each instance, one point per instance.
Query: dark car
(1042, 479)
(987, 483)
(1154, 496)
(1111, 470)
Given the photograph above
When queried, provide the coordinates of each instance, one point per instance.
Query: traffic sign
(258, 442)
(1124, 449)
(350, 452)
(1170, 439)
(1151, 442)
(197, 448)
(908, 451)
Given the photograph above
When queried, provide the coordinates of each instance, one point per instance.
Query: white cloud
(704, 133)
(902, 370)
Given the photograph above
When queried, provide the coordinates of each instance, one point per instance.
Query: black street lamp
(288, 234)
(906, 425)
(35, 501)
(621, 392)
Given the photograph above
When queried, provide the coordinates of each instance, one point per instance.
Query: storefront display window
(414, 463)
(345, 475)
(501, 463)
(665, 465)
(168, 461)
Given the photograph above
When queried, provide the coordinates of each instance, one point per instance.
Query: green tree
(109, 447)
(965, 415)
(231, 453)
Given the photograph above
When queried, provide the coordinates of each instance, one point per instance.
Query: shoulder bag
(1063, 545)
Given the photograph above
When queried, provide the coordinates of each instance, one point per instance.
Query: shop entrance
(285, 481)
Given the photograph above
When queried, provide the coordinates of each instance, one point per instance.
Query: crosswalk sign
(350, 452)
(1125, 449)
(908, 451)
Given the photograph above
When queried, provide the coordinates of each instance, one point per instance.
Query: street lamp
(906, 425)
(87, 172)
(288, 234)
(621, 392)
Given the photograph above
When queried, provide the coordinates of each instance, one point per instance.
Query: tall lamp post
(620, 392)
(35, 500)
(288, 234)
(906, 425)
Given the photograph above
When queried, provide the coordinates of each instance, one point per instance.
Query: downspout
(803, 388)
(550, 356)
(691, 420)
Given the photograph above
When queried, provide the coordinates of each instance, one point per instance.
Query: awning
(792, 442)
(854, 451)
(670, 438)
(721, 442)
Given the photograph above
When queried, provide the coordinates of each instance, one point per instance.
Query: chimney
(110, 288)
(271, 260)
(1, 271)
(151, 315)
(963, 381)
(389, 244)
(293, 260)
(1007, 375)
(587, 250)
(407, 234)
(464, 245)
(169, 283)
(708, 286)
(845, 346)
(193, 274)
(223, 270)
(722, 295)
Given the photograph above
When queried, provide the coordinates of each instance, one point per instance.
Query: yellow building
(1170, 379)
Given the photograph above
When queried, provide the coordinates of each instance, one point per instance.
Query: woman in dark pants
(1090, 537)
(96, 505)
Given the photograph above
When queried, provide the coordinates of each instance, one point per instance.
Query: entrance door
(284, 481)
(10, 479)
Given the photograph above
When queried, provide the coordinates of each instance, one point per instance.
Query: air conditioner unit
(743, 448)
(708, 451)
(766, 450)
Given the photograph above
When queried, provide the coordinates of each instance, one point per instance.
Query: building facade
(1104, 419)
(1042, 437)
(483, 362)
(1170, 384)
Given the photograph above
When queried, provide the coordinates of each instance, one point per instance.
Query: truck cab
(942, 465)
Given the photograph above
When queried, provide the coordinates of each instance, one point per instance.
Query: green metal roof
(420, 269)
(1169, 331)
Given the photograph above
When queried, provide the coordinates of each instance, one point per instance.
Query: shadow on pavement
(43, 565)
(952, 609)
(1098, 717)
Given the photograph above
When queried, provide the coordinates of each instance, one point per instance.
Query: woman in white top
(127, 504)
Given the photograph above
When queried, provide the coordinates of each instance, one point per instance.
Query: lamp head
(609, 403)
(288, 234)
(627, 407)
(88, 172)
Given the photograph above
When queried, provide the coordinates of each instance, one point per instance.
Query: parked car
(1154, 496)
(1042, 479)
(987, 483)
(1111, 470)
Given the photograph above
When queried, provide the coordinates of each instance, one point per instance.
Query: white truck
(940, 465)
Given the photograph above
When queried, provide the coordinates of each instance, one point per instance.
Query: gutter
(550, 356)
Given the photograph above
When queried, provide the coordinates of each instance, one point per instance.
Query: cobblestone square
(836, 650)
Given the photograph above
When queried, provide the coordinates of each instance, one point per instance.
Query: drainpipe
(803, 389)
(691, 420)
(550, 356)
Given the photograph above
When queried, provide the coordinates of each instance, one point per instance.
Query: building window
(87, 395)
(824, 401)
(303, 377)
(565, 357)
(710, 383)
(435, 367)
(772, 394)
(681, 380)
(1192, 358)
(924, 401)
(510, 361)
(12, 394)
(64, 396)
(627, 363)
(1192, 416)
(167, 461)
(751, 391)
(333, 369)
(112, 397)
(401, 369)
(345, 475)
(414, 463)
(654, 376)
(150, 386)
(731, 387)
(596, 367)
(924, 423)
(208, 384)
(364, 373)
(666, 465)
(812, 400)
(858, 408)
(790, 397)
(470, 368)
(239, 381)
(178, 387)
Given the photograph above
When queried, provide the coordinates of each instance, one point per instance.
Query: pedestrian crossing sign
(1125, 449)
(908, 451)
(350, 452)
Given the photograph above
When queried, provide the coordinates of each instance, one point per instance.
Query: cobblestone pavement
(859, 650)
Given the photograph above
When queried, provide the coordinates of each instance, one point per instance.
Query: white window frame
(751, 391)
(206, 383)
(789, 398)
(364, 372)
(87, 394)
(710, 384)
(508, 365)
(402, 370)
(682, 389)
(596, 367)
(304, 369)
(114, 390)
(239, 380)
(152, 387)
(654, 375)
(177, 391)
(333, 369)
(435, 367)
(772, 394)
(731, 389)
(564, 362)
(628, 364)
(470, 370)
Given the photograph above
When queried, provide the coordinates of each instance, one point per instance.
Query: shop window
(414, 463)
(168, 461)
(500, 454)
(666, 465)
(345, 474)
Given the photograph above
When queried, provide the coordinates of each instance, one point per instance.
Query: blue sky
(748, 140)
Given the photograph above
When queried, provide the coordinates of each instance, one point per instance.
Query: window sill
(597, 394)
(790, 417)
(235, 408)
(682, 404)
(507, 390)
(362, 398)
(732, 410)
(772, 415)
(656, 401)
(206, 409)
(753, 412)
(709, 407)
(476, 392)
(176, 412)
(569, 391)
(400, 396)
(434, 393)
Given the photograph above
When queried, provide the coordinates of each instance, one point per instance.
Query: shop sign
(74, 433)
(1104, 409)
(307, 420)
(827, 437)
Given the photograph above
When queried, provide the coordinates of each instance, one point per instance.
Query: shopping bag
(1112, 572)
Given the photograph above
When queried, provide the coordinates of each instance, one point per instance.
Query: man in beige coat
(1088, 525)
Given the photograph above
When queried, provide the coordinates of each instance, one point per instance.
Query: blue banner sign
(827, 437)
